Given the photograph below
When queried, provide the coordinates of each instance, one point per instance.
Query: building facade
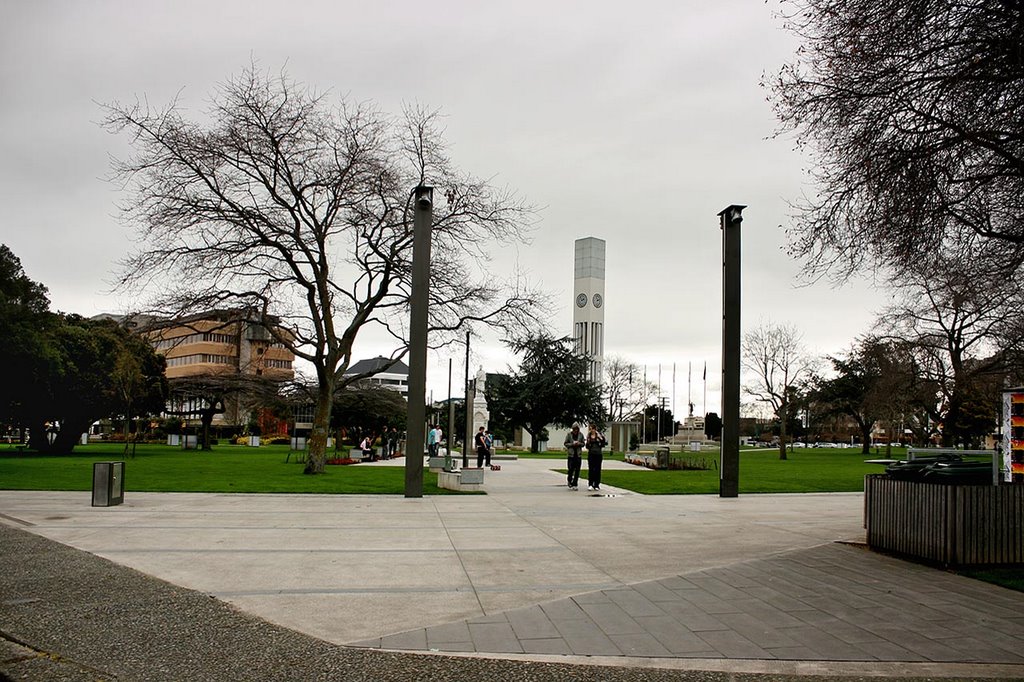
(219, 342)
(395, 377)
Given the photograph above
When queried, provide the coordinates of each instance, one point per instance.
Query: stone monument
(481, 415)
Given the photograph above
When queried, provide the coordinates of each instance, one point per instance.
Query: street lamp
(418, 316)
(729, 471)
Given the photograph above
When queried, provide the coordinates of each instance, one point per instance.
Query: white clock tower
(588, 303)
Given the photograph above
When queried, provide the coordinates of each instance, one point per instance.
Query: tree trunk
(37, 437)
(865, 435)
(65, 440)
(207, 419)
(321, 423)
(782, 435)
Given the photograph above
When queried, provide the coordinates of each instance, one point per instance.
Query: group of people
(389, 442)
(435, 436)
(594, 441)
(483, 442)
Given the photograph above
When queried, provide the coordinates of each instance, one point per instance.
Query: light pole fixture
(729, 469)
(423, 215)
(468, 435)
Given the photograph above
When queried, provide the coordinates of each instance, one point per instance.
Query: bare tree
(779, 364)
(963, 332)
(625, 387)
(910, 110)
(280, 202)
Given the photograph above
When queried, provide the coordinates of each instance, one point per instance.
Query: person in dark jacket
(595, 457)
(482, 451)
(574, 442)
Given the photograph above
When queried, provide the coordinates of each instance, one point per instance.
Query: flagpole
(689, 388)
(660, 403)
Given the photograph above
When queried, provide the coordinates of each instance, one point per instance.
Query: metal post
(422, 217)
(468, 436)
(451, 421)
(729, 471)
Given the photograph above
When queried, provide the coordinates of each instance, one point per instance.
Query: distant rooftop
(374, 365)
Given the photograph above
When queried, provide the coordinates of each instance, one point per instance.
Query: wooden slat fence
(955, 525)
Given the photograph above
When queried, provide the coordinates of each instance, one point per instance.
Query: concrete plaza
(533, 571)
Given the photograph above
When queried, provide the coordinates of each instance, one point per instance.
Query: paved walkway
(533, 570)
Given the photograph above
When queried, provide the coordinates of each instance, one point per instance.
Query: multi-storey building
(219, 342)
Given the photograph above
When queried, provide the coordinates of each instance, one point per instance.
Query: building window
(200, 359)
(207, 337)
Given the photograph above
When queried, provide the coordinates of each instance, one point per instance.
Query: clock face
(581, 300)
(598, 300)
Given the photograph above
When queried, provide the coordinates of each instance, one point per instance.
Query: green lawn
(1009, 577)
(808, 470)
(233, 468)
(227, 468)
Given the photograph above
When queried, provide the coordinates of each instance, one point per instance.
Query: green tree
(658, 423)
(137, 383)
(850, 391)
(279, 201)
(25, 352)
(82, 384)
(550, 387)
(367, 409)
(204, 396)
(712, 425)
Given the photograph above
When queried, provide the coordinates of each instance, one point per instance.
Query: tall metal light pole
(423, 215)
(451, 421)
(468, 435)
(729, 471)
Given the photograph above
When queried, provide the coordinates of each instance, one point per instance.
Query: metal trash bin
(107, 483)
(662, 455)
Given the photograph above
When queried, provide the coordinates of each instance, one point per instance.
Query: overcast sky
(633, 122)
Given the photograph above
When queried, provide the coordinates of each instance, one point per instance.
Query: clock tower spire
(588, 306)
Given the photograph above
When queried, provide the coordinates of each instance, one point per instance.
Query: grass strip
(224, 469)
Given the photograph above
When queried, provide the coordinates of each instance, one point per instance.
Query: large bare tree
(964, 333)
(279, 202)
(625, 387)
(778, 364)
(911, 113)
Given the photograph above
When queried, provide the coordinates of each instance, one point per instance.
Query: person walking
(392, 442)
(595, 443)
(432, 441)
(574, 443)
(480, 444)
(489, 439)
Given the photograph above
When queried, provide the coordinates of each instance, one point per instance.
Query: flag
(705, 370)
